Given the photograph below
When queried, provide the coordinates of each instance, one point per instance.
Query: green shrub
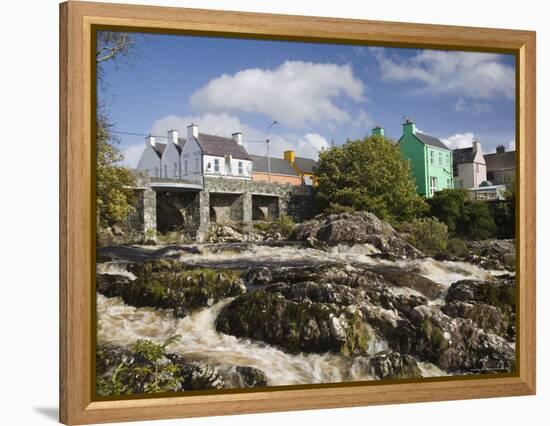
(285, 225)
(428, 235)
(463, 216)
(457, 247)
(335, 208)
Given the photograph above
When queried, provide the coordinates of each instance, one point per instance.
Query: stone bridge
(165, 205)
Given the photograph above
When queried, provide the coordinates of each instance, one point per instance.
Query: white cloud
(511, 146)
(475, 108)
(469, 74)
(132, 154)
(307, 145)
(459, 140)
(297, 94)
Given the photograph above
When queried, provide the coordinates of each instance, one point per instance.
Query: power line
(118, 132)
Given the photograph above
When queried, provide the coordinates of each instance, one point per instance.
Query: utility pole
(268, 157)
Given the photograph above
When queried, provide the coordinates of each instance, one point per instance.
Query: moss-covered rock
(165, 284)
(392, 365)
(306, 326)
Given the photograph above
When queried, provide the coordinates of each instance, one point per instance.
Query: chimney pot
(192, 131)
(150, 141)
(238, 137)
(173, 136)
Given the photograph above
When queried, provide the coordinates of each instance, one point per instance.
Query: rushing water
(122, 325)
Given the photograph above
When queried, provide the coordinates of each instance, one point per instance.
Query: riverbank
(308, 310)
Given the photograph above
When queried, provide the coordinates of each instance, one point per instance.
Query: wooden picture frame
(77, 219)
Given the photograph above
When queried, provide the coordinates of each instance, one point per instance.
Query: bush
(457, 248)
(463, 216)
(428, 235)
(284, 225)
(335, 208)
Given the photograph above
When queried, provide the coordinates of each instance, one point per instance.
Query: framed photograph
(268, 213)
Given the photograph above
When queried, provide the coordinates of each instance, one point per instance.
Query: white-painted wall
(191, 161)
(150, 161)
(209, 168)
(470, 175)
(171, 159)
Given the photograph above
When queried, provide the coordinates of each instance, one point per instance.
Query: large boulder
(167, 284)
(356, 228)
(392, 365)
(266, 315)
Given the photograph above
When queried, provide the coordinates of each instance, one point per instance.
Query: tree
(504, 212)
(369, 174)
(463, 216)
(114, 196)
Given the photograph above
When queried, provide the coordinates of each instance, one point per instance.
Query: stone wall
(223, 200)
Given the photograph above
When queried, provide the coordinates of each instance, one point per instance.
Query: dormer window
(240, 167)
(216, 165)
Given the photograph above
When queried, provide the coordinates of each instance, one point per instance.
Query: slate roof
(305, 165)
(278, 166)
(181, 144)
(430, 140)
(505, 160)
(159, 148)
(220, 146)
(463, 155)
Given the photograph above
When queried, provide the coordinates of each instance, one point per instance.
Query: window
(156, 172)
(433, 185)
(165, 170)
(197, 166)
(240, 167)
(440, 158)
(449, 183)
(175, 169)
(185, 167)
(217, 165)
(431, 157)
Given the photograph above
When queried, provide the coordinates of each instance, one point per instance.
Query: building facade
(469, 168)
(501, 167)
(275, 170)
(305, 167)
(430, 159)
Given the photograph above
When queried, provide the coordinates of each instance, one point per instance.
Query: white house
(196, 156)
(469, 168)
(151, 158)
(210, 155)
(171, 157)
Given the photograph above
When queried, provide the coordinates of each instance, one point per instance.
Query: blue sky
(318, 93)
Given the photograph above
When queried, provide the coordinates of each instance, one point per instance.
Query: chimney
(408, 127)
(290, 156)
(192, 131)
(238, 137)
(475, 146)
(150, 141)
(173, 137)
(378, 131)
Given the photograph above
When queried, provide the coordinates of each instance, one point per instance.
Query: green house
(431, 161)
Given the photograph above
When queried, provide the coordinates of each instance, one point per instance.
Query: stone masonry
(221, 200)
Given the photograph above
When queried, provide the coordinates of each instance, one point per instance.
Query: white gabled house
(196, 156)
(151, 158)
(469, 168)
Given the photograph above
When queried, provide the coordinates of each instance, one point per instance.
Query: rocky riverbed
(343, 298)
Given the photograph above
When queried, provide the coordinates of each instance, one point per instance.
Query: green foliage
(427, 234)
(335, 208)
(143, 372)
(369, 174)
(284, 225)
(457, 247)
(504, 213)
(114, 196)
(463, 216)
